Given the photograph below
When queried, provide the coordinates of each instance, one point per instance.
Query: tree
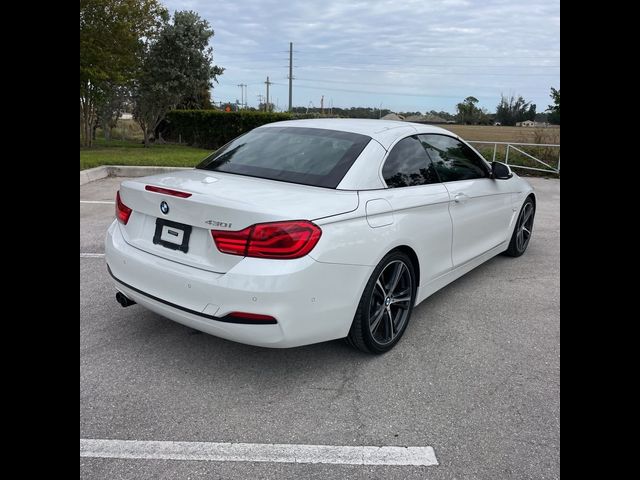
(511, 110)
(468, 113)
(483, 117)
(111, 43)
(554, 110)
(199, 101)
(109, 109)
(530, 114)
(176, 66)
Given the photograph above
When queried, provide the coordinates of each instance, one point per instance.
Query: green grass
(118, 152)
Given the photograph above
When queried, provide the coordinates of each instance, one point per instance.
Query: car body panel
(421, 221)
(481, 212)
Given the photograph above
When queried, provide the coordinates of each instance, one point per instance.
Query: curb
(93, 174)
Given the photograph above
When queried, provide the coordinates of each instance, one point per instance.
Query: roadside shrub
(213, 128)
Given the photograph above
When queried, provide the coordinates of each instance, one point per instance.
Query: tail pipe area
(123, 300)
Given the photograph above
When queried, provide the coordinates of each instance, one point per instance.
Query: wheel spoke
(397, 273)
(403, 305)
(526, 230)
(405, 292)
(400, 299)
(403, 299)
(377, 317)
(382, 290)
(527, 215)
(390, 325)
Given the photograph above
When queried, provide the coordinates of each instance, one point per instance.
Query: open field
(118, 152)
(490, 133)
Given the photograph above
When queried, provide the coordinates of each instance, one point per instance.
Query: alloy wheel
(390, 302)
(524, 227)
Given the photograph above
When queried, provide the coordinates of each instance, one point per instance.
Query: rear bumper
(311, 301)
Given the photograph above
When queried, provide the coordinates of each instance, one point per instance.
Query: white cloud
(443, 50)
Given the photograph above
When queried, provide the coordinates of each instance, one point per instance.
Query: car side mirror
(500, 171)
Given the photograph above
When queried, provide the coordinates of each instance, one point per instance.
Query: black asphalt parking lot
(476, 375)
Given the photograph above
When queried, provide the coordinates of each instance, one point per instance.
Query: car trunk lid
(173, 220)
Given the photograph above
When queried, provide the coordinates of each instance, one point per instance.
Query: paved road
(476, 376)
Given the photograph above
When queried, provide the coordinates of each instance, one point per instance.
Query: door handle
(460, 198)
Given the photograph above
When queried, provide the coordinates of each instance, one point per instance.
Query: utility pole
(290, 74)
(242, 96)
(267, 83)
(322, 105)
(260, 99)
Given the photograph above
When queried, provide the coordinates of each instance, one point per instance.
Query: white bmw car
(304, 231)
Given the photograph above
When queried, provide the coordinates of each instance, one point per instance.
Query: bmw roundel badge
(164, 207)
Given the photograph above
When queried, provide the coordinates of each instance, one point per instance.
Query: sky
(402, 55)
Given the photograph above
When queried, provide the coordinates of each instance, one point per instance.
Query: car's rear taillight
(281, 240)
(122, 211)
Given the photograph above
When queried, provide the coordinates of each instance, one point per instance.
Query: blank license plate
(172, 235)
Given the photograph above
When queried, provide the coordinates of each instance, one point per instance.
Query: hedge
(213, 128)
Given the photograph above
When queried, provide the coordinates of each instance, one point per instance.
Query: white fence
(515, 146)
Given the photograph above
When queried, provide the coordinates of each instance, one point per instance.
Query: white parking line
(258, 452)
(103, 202)
(91, 255)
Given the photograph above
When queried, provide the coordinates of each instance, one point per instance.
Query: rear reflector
(122, 211)
(167, 191)
(277, 240)
(252, 316)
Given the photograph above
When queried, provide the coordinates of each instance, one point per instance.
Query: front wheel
(523, 230)
(386, 305)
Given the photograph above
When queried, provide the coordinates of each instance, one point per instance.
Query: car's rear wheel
(523, 230)
(386, 305)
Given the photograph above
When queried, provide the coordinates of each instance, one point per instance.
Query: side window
(453, 160)
(408, 165)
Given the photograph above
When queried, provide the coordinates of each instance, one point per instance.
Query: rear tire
(523, 229)
(386, 305)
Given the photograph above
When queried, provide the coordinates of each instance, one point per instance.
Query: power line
(412, 55)
(446, 65)
(412, 64)
(369, 92)
(439, 73)
(417, 55)
(378, 92)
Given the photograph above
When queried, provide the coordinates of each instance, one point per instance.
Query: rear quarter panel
(420, 220)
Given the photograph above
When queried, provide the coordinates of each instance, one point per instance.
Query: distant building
(529, 123)
(126, 116)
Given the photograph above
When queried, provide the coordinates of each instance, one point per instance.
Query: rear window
(310, 156)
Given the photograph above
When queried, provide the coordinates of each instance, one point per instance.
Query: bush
(212, 128)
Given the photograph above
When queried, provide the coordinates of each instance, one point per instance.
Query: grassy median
(119, 152)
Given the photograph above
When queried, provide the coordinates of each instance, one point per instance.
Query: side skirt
(424, 291)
